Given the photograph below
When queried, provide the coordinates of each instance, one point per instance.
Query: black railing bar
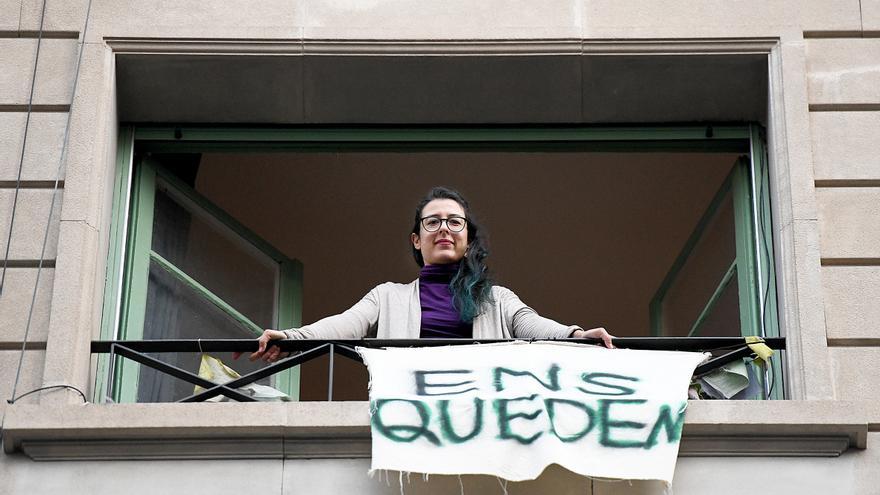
(653, 343)
(262, 373)
(330, 373)
(719, 361)
(349, 352)
(250, 345)
(181, 374)
(111, 375)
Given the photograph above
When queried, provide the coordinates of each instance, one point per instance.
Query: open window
(192, 271)
(646, 231)
(722, 281)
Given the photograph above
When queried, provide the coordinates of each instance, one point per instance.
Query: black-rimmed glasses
(454, 224)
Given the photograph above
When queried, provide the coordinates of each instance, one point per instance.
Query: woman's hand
(595, 333)
(273, 354)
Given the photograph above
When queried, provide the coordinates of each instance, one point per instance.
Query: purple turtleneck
(440, 319)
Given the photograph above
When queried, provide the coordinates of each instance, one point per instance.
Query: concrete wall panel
(31, 216)
(682, 89)
(395, 19)
(59, 16)
(780, 475)
(851, 294)
(434, 90)
(43, 151)
(828, 15)
(843, 70)
(854, 369)
(693, 476)
(11, 11)
(79, 276)
(54, 74)
(871, 15)
(789, 137)
(15, 302)
(211, 89)
(90, 156)
(804, 316)
(161, 19)
(350, 476)
(399, 19)
(611, 19)
(31, 377)
(849, 222)
(864, 471)
(723, 476)
(845, 145)
(76, 306)
(853, 472)
(22, 475)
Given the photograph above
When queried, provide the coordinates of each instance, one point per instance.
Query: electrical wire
(766, 248)
(18, 187)
(27, 124)
(61, 162)
(48, 387)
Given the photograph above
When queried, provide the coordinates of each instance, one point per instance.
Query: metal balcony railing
(728, 349)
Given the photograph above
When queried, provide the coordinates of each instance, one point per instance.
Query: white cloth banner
(510, 410)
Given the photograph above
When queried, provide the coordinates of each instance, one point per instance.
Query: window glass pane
(700, 276)
(215, 257)
(723, 318)
(175, 311)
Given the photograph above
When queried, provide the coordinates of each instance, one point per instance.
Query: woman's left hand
(595, 333)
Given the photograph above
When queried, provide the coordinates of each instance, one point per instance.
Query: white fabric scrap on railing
(511, 409)
(213, 370)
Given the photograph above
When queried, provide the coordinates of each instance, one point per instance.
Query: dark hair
(471, 286)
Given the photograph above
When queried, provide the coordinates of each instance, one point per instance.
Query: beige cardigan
(393, 311)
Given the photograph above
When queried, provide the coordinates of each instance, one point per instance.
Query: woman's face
(443, 246)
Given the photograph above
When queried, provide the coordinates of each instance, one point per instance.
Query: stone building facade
(807, 72)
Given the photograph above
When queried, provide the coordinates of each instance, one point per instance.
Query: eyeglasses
(454, 224)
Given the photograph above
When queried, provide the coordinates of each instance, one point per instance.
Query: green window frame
(753, 267)
(749, 183)
(126, 290)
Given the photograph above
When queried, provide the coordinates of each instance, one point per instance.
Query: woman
(453, 296)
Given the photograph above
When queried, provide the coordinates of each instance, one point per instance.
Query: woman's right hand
(595, 333)
(273, 353)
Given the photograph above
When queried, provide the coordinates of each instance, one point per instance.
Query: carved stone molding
(340, 430)
(302, 47)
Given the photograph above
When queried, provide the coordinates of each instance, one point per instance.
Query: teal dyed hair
(471, 286)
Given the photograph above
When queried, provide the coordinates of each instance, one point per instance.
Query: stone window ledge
(341, 430)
